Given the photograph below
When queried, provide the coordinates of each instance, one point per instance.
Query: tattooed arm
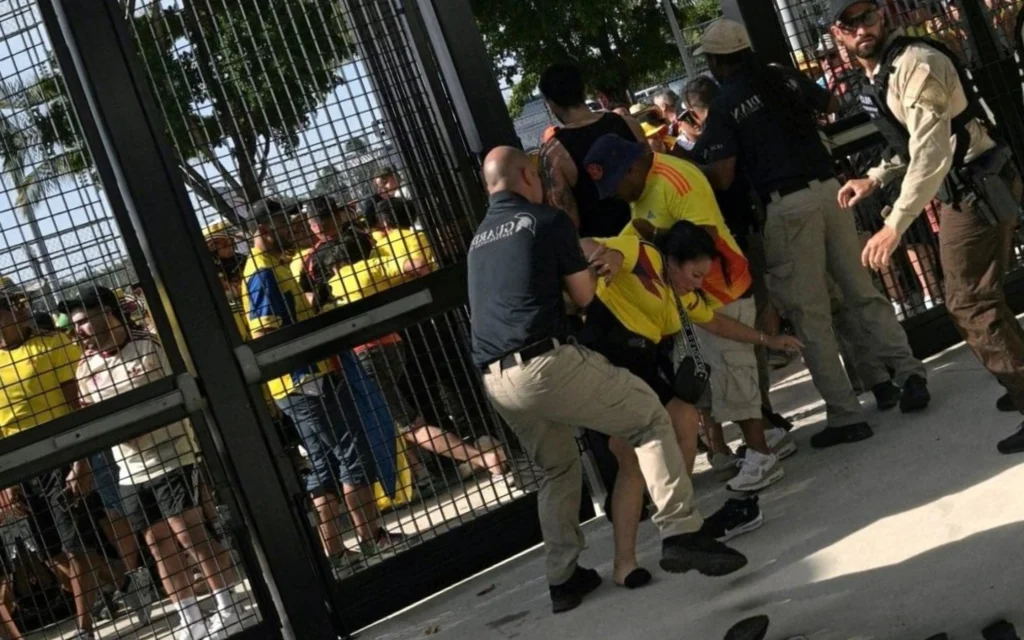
(558, 172)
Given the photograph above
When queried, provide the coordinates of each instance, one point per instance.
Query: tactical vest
(873, 99)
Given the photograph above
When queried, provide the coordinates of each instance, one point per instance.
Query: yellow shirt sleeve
(697, 309)
(627, 245)
(63, 356)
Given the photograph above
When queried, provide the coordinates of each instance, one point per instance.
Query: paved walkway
(916, 531)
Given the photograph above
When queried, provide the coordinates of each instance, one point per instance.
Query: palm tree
(33, 167)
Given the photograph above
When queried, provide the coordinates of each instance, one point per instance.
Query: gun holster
(991, 186)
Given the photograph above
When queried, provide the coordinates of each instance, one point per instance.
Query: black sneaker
(916, 396)
(832, 436)
(887, 395)
(776, 420)
(736, 517)
(755, 628)
(1006, 403)
(569, 595)
(1000, 630)
(699, 551)
(1013, 444)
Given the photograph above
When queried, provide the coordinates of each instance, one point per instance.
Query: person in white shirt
(161, 465)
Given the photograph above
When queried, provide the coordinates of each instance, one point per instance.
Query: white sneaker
(757, 471)
(224, 624)
(780, 442)
(724, 466)
(195, 631)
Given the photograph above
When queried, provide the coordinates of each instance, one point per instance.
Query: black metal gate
(278, 195)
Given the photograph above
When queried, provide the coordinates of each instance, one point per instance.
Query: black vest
(895, 132)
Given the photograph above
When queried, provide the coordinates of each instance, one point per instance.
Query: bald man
(522, 259)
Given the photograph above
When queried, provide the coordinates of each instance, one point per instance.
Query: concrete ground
(917, 531)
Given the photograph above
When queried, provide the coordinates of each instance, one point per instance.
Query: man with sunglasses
(924, 104)
(762, 128)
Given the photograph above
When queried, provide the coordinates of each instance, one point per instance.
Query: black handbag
(693, 374)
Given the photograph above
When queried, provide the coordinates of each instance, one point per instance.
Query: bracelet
(761, 338)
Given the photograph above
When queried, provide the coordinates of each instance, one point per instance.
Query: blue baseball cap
(609, 160)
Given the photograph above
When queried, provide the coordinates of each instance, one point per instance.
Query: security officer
(762, 126)
(522, 259)
(925, 106)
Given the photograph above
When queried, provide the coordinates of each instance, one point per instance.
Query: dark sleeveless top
(598, 218)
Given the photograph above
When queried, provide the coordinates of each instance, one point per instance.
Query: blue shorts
(105, 474)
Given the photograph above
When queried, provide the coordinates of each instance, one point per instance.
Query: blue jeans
(346, 431)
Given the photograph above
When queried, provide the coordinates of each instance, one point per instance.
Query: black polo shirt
(742, 124)
(517, 260)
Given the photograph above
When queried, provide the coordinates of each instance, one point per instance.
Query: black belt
(524, 355)
(789, 187)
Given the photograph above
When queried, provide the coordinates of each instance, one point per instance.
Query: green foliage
(235, 77)
(616, 42)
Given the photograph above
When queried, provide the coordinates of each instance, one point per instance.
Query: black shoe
(755, 628)
(1000, 630)
(569, 594)
(1006, 403)
(1013, 444)
(831, 436)
(699, 551)
(776, 420)
(887, 395)
(916, 396)
(736, 517)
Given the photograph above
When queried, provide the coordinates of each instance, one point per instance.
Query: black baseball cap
(839, 7)
(90, 299)
(609, 160)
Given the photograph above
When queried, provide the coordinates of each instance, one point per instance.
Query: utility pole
(677, 33)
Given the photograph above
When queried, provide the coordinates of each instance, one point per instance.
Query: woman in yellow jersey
(627, 323)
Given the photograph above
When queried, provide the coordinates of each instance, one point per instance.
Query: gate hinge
(190, 394)
(247, 362)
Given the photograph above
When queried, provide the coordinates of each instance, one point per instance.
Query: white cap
(723, 37)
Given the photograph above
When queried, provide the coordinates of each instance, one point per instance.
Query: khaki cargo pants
(807, 237)
(543, 400)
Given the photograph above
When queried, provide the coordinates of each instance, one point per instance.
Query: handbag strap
(689, 343)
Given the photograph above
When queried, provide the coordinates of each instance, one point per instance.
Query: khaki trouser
(975, 256)
(762, 301)
(806, 235)
(735, 394)
(571, 386)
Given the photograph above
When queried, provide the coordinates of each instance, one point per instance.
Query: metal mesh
(304, 133)
(127, 543)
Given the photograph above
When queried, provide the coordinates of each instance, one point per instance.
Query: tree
(616, 42)
(232, 80)
(33, 171)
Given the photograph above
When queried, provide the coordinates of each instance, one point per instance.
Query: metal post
(762, 23)
(112, 98)
(677, 33)
(471, 72)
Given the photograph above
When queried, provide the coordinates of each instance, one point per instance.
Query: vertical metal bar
(473, 74)
(117, 114)
(762, 22)
(677, 33)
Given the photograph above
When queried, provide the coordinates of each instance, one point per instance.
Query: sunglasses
(869, 18)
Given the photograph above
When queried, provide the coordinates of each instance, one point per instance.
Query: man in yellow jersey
(663, 190)
(37, 385)
(325, 400)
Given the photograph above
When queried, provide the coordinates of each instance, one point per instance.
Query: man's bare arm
(558, 172)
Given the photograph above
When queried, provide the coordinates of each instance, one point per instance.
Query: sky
(75, 220)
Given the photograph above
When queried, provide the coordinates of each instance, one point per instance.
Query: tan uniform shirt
(925, 94)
